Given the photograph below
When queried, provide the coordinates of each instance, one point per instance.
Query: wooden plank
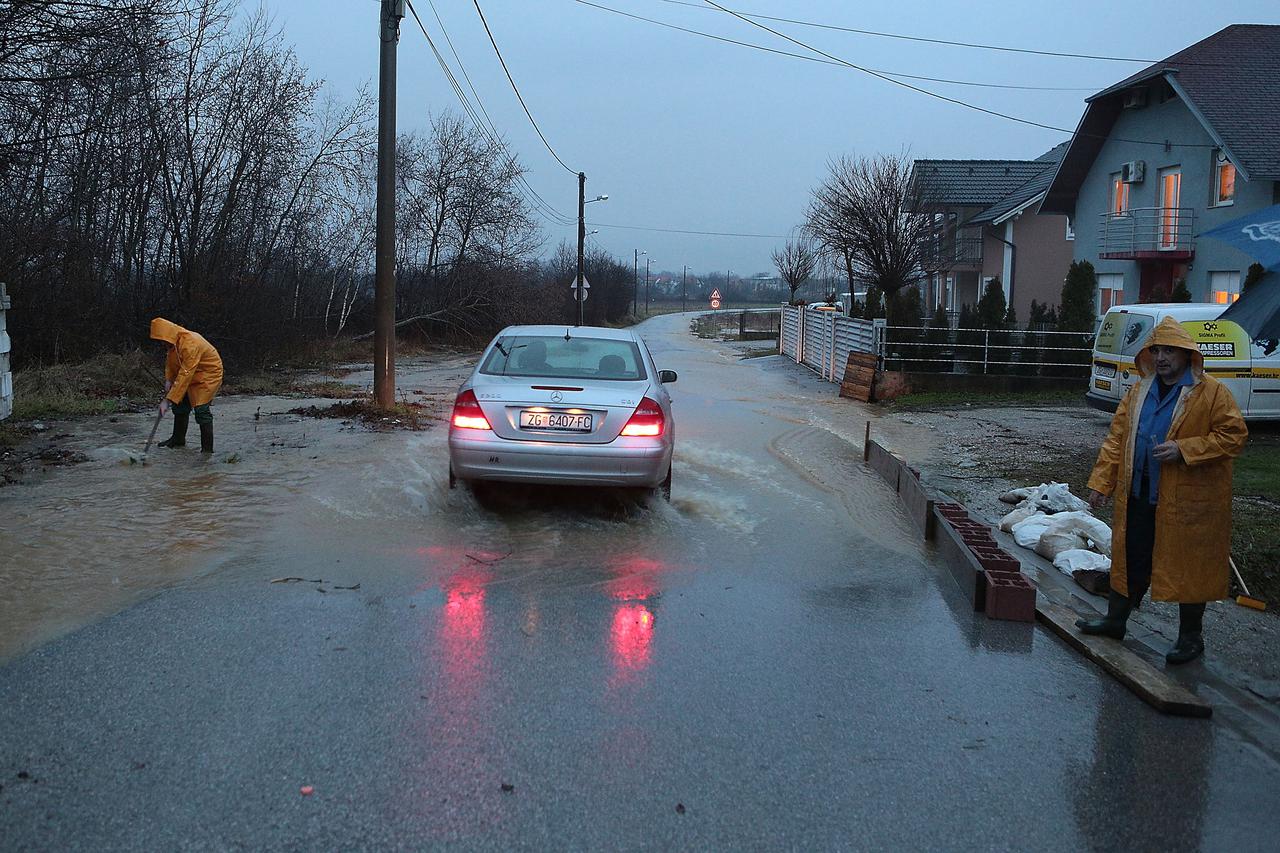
(859, 376)
(884, 463)
(1150, 684)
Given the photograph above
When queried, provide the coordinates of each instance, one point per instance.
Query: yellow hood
(163, 330)
(1168, 333)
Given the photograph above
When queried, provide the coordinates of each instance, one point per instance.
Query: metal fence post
(986, 348)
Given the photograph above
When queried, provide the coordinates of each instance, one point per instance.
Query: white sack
(1017, 516)
(1027, 533)
(1017, 496)
(1052, 543)
(1084, 525)
(1057, 497)
(1077, 559)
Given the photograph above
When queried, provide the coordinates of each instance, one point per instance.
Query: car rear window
(553, 357)
(1124, 333)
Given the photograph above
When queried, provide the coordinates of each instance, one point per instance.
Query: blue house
(1168, 153)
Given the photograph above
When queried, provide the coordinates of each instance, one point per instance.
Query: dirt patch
(403, 416)
(19, 461)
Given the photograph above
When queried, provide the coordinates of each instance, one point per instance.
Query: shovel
(151, 438)
(1246, 600)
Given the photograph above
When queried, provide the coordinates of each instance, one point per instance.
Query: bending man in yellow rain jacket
(1167, 463)
(192, 374)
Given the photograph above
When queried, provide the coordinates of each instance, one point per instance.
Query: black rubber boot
(1113, 624)
(1190, 644)
(206, 438)
(179, 437)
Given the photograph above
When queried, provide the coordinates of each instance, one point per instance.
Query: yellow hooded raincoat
(1193, 513)
(193, 366)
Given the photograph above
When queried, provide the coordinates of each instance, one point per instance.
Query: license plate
(567, 421)
(1107, 371)
(1102, 384)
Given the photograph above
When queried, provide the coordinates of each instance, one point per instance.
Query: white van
(1251, 369)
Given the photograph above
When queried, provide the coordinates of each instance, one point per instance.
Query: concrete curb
(1148, 683)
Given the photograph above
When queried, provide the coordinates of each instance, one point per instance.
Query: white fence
(6, 378)
(822, 340)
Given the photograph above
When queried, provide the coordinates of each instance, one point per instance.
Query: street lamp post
(635, 282)
(646, 286)
(582, 237)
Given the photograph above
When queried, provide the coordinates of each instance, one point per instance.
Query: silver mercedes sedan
(564, 405)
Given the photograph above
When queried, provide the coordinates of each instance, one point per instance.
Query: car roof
(573, 332)
(1177, 310)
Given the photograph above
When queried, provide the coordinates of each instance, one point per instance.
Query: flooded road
(771, 659)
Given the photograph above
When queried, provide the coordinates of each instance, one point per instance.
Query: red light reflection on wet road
(631, 636)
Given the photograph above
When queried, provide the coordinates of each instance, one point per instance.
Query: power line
(904, 37)
(787, 53)
(516, 89)
(490, 130)
(942, 97)
(539, 201)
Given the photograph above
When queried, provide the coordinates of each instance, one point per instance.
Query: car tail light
(467, 413)
(646, 420)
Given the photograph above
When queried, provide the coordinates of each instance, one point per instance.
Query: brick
(1009, 596)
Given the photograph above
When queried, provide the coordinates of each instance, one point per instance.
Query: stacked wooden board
(859, 376)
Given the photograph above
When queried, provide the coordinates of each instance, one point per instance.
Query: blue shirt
(1153, 429)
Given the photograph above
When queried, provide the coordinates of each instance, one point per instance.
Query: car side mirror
(666, 377)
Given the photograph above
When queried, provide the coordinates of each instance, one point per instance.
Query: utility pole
(582, 238)
(646, 286)
(684, 289)
(635, 281)
(384, 276)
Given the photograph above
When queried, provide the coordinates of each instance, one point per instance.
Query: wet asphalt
(773, 660)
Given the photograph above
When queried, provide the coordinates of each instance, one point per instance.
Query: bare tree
(796, 262)
(867, 213)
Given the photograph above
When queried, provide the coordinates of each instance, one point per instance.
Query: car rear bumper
(1101, 403)
(622, 462)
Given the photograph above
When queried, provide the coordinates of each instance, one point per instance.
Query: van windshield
(1124, 333)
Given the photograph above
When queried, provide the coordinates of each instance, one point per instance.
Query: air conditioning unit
(1133, 172)
(1135, 97)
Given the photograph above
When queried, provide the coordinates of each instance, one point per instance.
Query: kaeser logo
(556, 396)
(1260, 231)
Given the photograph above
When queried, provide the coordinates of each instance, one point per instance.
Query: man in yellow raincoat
(192, 374)
(1167, 463)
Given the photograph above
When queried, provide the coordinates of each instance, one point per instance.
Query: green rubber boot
(1113, 624)
(179, 437)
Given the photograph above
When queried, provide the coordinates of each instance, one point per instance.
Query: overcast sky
(683, 132)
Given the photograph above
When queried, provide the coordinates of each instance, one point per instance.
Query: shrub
(1076, 313)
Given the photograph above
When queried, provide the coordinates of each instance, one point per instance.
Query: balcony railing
(1147, 232)
(946, 252)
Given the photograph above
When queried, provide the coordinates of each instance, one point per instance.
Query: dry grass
(105, 383)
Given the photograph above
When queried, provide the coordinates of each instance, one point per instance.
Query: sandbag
(1017, 496)
(1052, 543)
(1082, 524)
(1057, 497)
(1076, 560)
(1017, 516)
(1027, 532)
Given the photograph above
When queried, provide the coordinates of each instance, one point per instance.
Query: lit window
(1224, 286)
(1224, 179)
(1119, 195)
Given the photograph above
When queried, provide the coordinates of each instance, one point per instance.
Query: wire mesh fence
(927, 349)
